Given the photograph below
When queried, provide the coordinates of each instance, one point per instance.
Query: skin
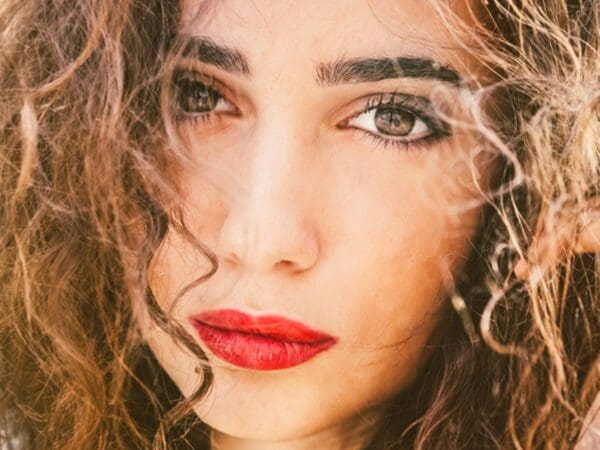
(314, 220)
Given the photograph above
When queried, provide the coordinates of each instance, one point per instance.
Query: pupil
(195, 97)
(394, 122)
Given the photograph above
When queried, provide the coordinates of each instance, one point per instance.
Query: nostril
(229, 259)
(285, 264)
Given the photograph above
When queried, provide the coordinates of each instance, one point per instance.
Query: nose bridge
(267, 226)
(273, 154)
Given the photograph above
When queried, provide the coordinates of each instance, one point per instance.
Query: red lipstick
(259, 342)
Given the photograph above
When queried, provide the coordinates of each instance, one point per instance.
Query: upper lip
(276, 327)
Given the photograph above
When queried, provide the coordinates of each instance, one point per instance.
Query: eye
(400, 119)
(390, 121)
(198, 97)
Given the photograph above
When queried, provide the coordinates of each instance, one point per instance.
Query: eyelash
(419, 107)
(190, 83)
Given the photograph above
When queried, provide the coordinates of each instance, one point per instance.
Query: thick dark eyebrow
(361, 70)
(338, 72)
(207, 51)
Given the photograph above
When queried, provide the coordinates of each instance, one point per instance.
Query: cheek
(406, 228)
(173, 267)
(177, 262)
(402, 240)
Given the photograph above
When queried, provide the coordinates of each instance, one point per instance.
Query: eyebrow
(357, 70)
(207, 51)
(361, 70)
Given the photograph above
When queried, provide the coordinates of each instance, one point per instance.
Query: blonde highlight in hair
(84, 176)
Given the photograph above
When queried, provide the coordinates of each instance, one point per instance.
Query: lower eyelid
(193, 119)
(215, 114)
(407, 139)
(411, 144)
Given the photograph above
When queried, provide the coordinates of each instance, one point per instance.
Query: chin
(264, 411)
(261, 425)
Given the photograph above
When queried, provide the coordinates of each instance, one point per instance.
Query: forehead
(297, 31)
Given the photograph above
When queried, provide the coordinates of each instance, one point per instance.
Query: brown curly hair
(87, 192)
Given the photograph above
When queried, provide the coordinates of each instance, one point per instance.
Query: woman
(343, 224)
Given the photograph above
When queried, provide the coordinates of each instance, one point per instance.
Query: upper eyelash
(415, 105)
(191, 75)
(194, 75)
(378, 100)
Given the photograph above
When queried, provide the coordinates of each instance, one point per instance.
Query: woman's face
(328, 180)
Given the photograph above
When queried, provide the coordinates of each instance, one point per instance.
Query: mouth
(259, 342)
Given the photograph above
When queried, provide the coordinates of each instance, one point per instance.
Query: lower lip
(253, 351)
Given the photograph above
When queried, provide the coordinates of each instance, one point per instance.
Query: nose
(266, 227)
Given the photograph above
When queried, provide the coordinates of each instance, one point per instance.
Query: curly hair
(88, 191)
